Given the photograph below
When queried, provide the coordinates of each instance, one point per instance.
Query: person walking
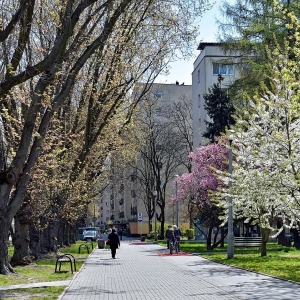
(114, 242)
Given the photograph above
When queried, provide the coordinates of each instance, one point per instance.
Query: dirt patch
(19, 296)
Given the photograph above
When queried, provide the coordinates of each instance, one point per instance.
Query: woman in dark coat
(114, 242)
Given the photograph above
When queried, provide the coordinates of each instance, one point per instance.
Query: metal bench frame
(84, 246)
(90, 243)
(68, 258)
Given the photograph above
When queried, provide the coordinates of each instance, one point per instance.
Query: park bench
(84, 246)
(65, 258)
(247, 241)
(90, 243)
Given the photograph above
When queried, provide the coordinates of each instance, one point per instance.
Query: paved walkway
(146, 271)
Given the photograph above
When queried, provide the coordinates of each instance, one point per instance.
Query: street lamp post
(94, 218)
(155, 232)
(177, 205)
(230, 235)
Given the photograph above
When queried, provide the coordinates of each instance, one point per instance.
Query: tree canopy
(76, 61)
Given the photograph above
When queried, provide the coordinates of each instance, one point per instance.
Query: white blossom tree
(266, 148)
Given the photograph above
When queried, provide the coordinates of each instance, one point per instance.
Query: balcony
(112, 217)
(112, 206)
(121, 215)
(121, 202)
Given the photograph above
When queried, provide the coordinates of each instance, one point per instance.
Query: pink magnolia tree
(199, 188)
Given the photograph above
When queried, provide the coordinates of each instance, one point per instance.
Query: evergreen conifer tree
(219, 109)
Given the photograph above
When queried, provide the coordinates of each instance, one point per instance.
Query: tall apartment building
(123, 201)
(211, 62)
(166, 95)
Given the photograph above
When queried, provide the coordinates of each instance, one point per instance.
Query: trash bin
(143, 238)
(101, 244)
(288, 241)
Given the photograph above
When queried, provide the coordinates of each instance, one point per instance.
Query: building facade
(211, 62)
(124, 201)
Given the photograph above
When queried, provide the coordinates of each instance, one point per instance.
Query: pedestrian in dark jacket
(170, 235)
(114, 241)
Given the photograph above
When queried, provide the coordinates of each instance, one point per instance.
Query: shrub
(189, 233)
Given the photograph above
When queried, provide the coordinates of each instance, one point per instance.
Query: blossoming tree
(198, 187)
(266, 147)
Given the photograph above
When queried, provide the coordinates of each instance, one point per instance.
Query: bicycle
(176, 246)
(173, 246)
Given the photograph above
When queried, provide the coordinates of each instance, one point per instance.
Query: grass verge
(281, 261)
(43, 270)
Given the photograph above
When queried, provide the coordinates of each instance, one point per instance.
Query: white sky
(181, 71)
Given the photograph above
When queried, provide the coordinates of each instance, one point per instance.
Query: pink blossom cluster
(198, 184)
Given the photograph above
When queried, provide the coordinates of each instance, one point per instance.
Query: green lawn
(281, 261)
(43, 270)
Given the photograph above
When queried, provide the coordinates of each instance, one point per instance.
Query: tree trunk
(22, 254)
(60, 235)
(222, 237)
(208, 239)
(265, 233)
(48, 242)
(5, 267)
(67, 234)
(296, 238)
(73, 235)
(34, 244)
(281, 236)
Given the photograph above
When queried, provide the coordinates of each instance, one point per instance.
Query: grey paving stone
(139, 272)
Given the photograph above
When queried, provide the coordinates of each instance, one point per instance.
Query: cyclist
(170, 235)
(177, 234)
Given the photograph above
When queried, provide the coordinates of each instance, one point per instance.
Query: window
(158, 112)
(199, 100)
(223, 69)
(158, 94)
(198, 75)
(230, 70)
